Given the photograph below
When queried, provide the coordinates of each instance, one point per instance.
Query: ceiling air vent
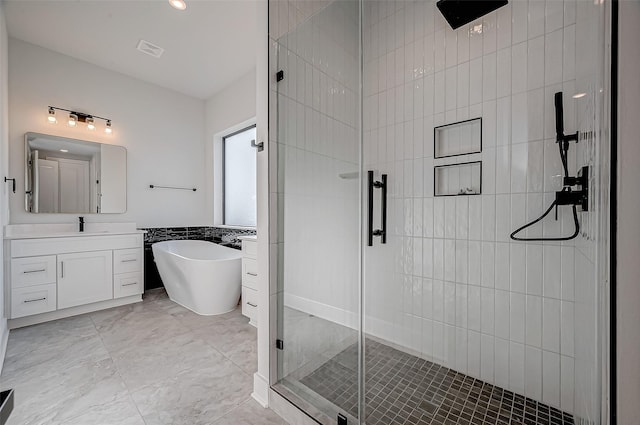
(150, 49)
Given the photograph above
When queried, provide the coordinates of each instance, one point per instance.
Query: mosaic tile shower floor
(404, 389)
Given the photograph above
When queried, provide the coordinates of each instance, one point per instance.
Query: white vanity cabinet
(59, 276)
(127, 272)
(84, 278)
(250, 278)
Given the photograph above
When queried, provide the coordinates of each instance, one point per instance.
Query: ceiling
(209, 45)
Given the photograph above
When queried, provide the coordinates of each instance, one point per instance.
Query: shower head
(461, 12)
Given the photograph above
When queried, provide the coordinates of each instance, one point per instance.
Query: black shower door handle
(383, 209)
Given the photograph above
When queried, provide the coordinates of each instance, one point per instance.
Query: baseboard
(324, 311)
(3, 342)
(378, 329)
(260, 390)
(288, 411)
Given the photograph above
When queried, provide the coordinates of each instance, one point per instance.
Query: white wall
(163, 132)
(231, 108)
(628, 228)
(4, 166)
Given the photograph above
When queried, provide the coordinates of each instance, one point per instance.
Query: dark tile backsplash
(223, 236)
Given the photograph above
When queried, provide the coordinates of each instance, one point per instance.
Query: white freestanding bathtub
(201, 276)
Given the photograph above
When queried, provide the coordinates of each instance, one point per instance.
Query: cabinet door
(84, 277)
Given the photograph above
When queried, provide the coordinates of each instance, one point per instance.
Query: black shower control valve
(567, 197)
(568, 138)
(342, 419)
(578, 197)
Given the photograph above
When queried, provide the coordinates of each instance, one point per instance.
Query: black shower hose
(564, 149)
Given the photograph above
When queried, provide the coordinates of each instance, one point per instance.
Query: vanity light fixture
(79, 117)
(579, 95)
(178, 4)
(64, 150)
(52, 116)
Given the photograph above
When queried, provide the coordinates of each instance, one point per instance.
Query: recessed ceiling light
(64, 150)
(178, 4)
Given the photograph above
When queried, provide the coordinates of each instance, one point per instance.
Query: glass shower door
(315, 96)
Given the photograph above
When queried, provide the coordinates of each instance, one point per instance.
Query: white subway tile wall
(503, 311)
(449, 285)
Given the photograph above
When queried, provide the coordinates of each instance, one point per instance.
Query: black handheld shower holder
(575, 190)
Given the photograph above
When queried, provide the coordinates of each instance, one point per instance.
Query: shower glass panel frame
(315, 77)
(448, 310)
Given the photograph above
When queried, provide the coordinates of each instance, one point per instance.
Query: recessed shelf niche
(458, 179)
(460, 138)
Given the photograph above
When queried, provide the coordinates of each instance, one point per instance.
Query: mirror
(74, 176)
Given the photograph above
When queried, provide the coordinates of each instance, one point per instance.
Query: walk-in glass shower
(404, 157)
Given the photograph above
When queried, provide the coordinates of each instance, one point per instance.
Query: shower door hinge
(259, 146)
(280, 75)
(279, 344)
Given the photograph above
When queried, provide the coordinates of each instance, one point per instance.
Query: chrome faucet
(81, 224)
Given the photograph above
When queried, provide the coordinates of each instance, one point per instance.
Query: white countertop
(248, 238)
(65, 230)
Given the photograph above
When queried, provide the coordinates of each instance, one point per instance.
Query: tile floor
(151, 363)
(404, 389)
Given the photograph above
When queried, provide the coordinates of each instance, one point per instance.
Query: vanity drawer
(31, 271)
(250, 304)
(250, 273)
(127, 260)
(127, 284)
(33, 300)
(250, 248)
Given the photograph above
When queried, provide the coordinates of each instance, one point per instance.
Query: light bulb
(178, 4)
(73, 120)
(52, 116)
(108, 128)
(90, 124)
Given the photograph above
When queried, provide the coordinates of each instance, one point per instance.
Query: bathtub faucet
(81, 224)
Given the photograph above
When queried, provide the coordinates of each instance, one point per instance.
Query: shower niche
(458, 179)
(460, 138)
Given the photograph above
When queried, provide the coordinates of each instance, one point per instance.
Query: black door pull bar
(383, 210)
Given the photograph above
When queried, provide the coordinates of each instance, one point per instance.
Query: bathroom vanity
(54, 271)
(250, 278)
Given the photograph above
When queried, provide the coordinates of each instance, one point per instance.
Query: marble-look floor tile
(126, 328)
(245, 356)
(56, 398)
(157, 361)
(198, 394)
(250, 413)
(147, 363)
(47, 361)
(120, 412)
(190, 319)
(51, 335)
(227, 335)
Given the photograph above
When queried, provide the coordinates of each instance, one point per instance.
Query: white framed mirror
(72, 176)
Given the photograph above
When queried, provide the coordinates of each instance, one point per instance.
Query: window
(239, 187)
